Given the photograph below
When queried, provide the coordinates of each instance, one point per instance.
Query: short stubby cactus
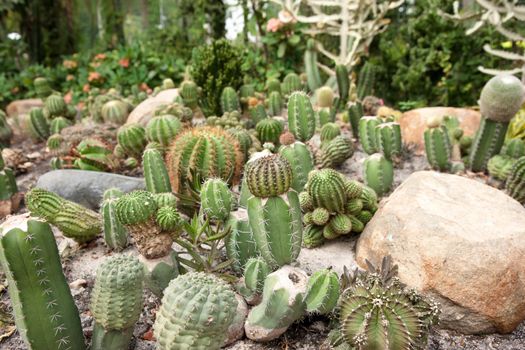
(132, 139)
(515, 185)
(301, 161)
(322, 292)
(269, 176)
(313, 236)
(437, 146)
(229, 100)
(194, 152)
(327, 190)
(336, 151)
(116, 302)
(291, 83)
(255, 272)
(367, 133)
(57, 124)
(163, 129)
(389, 140)
(115, 234)
(189, 91)
(216, 200)
(258, 113)
(169, 219)
(378, 173)
(500, 100)
(269, 130)
(8, 186)
(301, 116)
(240, 243)
(115, 111)
(43, 308)
(72, 219)
(155, 172)
(272, 85)
(195, 313)
(514, 148)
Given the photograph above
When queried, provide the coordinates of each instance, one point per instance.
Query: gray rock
(86, 187)
(335, 253)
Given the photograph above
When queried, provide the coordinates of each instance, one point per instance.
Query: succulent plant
(195, 313)
(301, 161)
(389, 140)
(189, 91)
(229, 100)
(275, 103)
(366, 80)
(115, 234)
(165, 199)
(313, 236)
(368, 134)
(355, 113)
(269, 176)
(329, 131)
(216, 200)
(322, 292)
(343, 82)
(93, 154)
(301, 116)
(313, 77)
(38, 124)
(500, 166)
(269, 130)
(116, 302)
(8, 186)
(55, 105)
(336, 151)
(176, 109)
(155, 172)
(163, 129)
(378, 173)
(194, 153)
(72, 219)
(115, 111)
(42, 87)
(243, 137)
(291, 83)
(514, 148)
(324, 116)
(320, 216)
(258, 113)
(255, 272)
(5, 130)
(515, 185)
(240, 243)
(327, 190)
(273, 85)
(57, 124)
(341, 224)
(437, 146)
(169, 219)
(132, 139)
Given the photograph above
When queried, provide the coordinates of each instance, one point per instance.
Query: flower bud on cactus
(437, 147)
(389, 139)
(132, 139)
(378, 173)
(240, 243)
(301, 160)
(195, 313)
(116, 302)
(115, 234)
(189, 92)
(301, 116)
(327, 189)
(38, 125)
(515, 185)
(55, 105)
(269, 130)
(335, 152)
(355, 113)
(58, 124)
(325, 97)
(275, 103)
(255, 272)
(500, 166)
(368, 134)
(163, 129)
(115, 111)
(329, 131)
(269, 176)
(322, 292)
(291, 83)
(216, 200)
(313, 236)
(229, 100)
(155, 173)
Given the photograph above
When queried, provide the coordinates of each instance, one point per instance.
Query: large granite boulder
(143, 113)
(86, 187)
(459, 241)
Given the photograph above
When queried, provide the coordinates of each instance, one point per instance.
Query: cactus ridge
(255, 272)
(343, 82)
(355, 113)
(229, 100)
(189, 93)
(341, 224)
(115, 234)
(55, 105)
(155, 172)
(58, 124)
(301, 116)
(269, 176)
(313, 236)
(329, 131)
(38, 124)
(168, 219)
(389, 139)
(115, 111)
(291, 83)
(275, 103)
(269, 130)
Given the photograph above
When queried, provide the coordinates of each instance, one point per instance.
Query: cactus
(389, 140)
(195, 313)
(136, 211)
(55, 105)
(282, 304)
(368, 134)
(343, 82)
(500, 100)
(273, 85)
(240, 243)
(327, 190)
(44, 310)
(437, 147)
(155, 173)
(115, 111)
(58, 124)
(275, 103)
(258, 113)
(177, 110)
(310, 65)
(514, 148)
(115, 234)
(341, 224)
(169, 219)
(72, 219)
(336, 152)
(244, 139)
(515, 185)
(325, 97)
(255, 272)
(301, 116)
(320, 216)
(366, 81)
(301, 161)
(324, 116)
(39, 127)
(166, 199)
(5, 131)
(378, 173)
(313, 236)
(500, 166)
(355, 113)
(132, 139)
(8, 186)
(216, 200)
(194, 152)
(189, 91)
(42, 87)
(322, 292)
(269, 130)
(329, 131)
(116, 302)
(291, 83)
(229, 100)
(268, 176)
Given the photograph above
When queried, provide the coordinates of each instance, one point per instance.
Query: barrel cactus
(132, 139)
(229, 100)
(269, 176)
(327, 189)
(269, 130)
(42, 87)
(255, 272)
(38, 124)
(378, 173)
(291, 83)
(163, 129)
(216, 200)
(115, 111)
(301, 116)
(272, 85)
(329, 131)
(336, 151)
(275, 103)
(55, 105)
(515, 185)
(189, 91)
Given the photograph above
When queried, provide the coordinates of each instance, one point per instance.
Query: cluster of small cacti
(227, 120)
(175, 109)
(334, 205)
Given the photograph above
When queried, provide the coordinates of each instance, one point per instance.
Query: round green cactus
(136, 207)
(501, 98)
(57, 124)
(313, 236)
(269, 130)
(301, 116)
(38, 125)
(327, 189)
(320, 216)
(322, 292)
(216, 200)
(273, 85)
(329, 131)
(269, 176)
(258, 113)
(132, 139)
(168, 219)
(243, 137)
(55, 105)
(341, 224)
(255, 272)
(115, 111)
(325, 97)
(378, 173)
(500, 166)
(305, 200)
(42, 87)
(166, 199)
(336, 151)
(291, 83)
(189, 92)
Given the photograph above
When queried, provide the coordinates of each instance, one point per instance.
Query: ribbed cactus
(437, 146)
(310, 65)
(515, 184)
(269, 176)
(8, 186)
(255, 272)
(42, 87)
(336, 151)
(115, 111)
(500, 100)
(5, 131)
(343, 82)
(320, 216)
(38, 124)
(175, 109)
(115, 234)
(44, 310)
(291, 83)
(355, 113)
(368, 134)
(195, 313)
(229, 100)
(216, 200)
(273, 85)
(500, 166)
(189, 91)
(325, 97)
(240, 243)
(132, 139)
(301, 116)
(72, 219)
(514, 148)
(57, 124)
(155, 173)
(329, 131)
(324, 116)
(275, 103)
(55, 105)
(195, 152)
(282, 304)
(301, 161)
(378, 173)
(116, 302)
(269, 130)
(327, 189)
(389, 140)
(166, 199)
(313, 236)
(366, 81)
(322, 292)
(169, 219)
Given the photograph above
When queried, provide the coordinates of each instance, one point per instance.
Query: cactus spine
(343, 82)
(132, 139)
(301, 116)
(355, 113)
(322, 292)
(229, 100)
(155, 173)
(216, 200)
(240, 243)
(116, 302)
(378, 173)
(163, 129)
(515, 185)
(301, 161)
(366, 81)
(368, 134)
(38, 124)
(437, 147)
(195, 313)
(275, 103)
(389, 140)
(115, 234)
(310, 64)
(44, 310)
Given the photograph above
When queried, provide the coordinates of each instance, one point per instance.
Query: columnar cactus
(44, 310)
(301, 161)
(368, 134)
(343, 82)
(329, 131)
(269, 130)
(55, 105)
(301, 116)
(216, 200)
(437, 146)
(500, 100)
(195, 313)
(132, 139)
(269, 176)
(57, 124)
(322, 292)
(42, 87)
(189, 91)
(258, 113)
(163, 129)
(355, 113)
(194, 153)
(275, 103)
(389, 140)
(378, 173)
(255, 272)
(5, 131)
(116, 302)
(72, 219)
(155, 173)
(515, 185)
(229, 100)
(336, 151)
(240, 243)
(115, 111)
(366, 81)
(115, 234)
(38, 124)
(313, 76)
(291, 83)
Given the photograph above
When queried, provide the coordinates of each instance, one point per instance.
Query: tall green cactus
(229, 100)
(163, 129)
(336, 151)
(366, 81)
(275, 103)
(132, 139)
(72, 219)
(38, 124)
(322, 292)
(515, 184)
(216, 200)
(500, 100)
(343, 82)
(291, 83)
(269, 130)
(116, 302)
(115, 234)
(355, 113)
(44, 310)
(378, 173)
(240, 243)
(301, 161)
(368, 134)
(310, 65)
(155, 172)
(301, 116)
(389, 140)
(437, 146)
(195, 313)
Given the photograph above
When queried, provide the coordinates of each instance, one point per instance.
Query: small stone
(77, 284)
